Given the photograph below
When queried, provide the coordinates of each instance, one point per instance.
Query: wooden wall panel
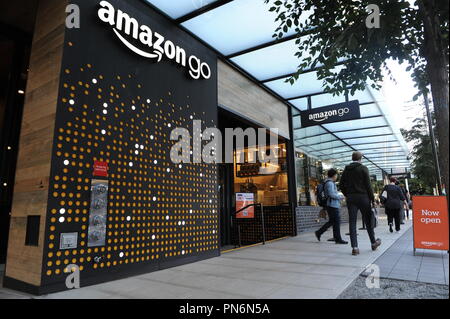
(244, 97)
(24, 263)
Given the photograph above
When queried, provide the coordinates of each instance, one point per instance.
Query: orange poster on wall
(430, 222)
(243, 200)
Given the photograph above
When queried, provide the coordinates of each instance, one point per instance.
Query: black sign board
(401, 175)
(330, 114)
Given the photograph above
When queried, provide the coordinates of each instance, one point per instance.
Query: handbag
(374, 217)
(323, 214)
(384, 196)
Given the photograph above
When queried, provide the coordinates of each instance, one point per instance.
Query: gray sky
(400, 96)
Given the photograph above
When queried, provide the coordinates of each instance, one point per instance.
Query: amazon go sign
(143, 41)
(430, 222)
(331, 114)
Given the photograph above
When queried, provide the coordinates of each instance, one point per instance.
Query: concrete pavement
(298, 267)
(427, 266)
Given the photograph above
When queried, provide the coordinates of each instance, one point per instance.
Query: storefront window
(300, 179)
(309, 173)
(267, 181)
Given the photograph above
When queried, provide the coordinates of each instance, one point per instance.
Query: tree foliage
(422, 154)
(414, 32)
(336, 31)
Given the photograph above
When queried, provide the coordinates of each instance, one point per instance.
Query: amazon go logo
(323, 116)
(153, 45)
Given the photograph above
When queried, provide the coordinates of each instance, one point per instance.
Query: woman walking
(393, 199)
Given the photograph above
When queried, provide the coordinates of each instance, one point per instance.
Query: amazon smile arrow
(125, 26)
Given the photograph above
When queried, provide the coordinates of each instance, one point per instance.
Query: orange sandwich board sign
(430, 222)
(243, 200)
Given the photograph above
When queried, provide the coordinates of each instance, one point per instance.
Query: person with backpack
(330, 200)
(393, 198)
(357, 188)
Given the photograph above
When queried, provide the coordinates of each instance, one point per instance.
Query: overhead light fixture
(21, 92)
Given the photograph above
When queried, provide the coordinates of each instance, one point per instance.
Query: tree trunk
(437, 62)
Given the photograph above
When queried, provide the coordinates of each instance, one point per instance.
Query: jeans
(360, 202)
(394, 215)
(334, 219)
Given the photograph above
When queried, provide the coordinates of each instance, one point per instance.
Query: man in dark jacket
(355, 185)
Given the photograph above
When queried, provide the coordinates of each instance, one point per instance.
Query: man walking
(333, 205)
(355, 185)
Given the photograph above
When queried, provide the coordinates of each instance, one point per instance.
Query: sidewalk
(298, 267)
(427, 266)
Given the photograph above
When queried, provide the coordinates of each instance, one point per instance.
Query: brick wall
(308, 218)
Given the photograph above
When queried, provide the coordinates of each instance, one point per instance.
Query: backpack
(322, 197)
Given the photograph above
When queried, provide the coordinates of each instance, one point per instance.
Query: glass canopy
(177, 9)
(235, 26)
(241, 32)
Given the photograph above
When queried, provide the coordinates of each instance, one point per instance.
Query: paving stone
(298, 267)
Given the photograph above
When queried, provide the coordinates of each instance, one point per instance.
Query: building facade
(95, 186)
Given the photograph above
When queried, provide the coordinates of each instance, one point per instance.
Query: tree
(377, 186)
(422, 154)
(335, 31)
(416, 187)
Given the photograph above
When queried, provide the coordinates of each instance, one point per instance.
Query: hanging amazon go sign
(151, 45)
(331, 114)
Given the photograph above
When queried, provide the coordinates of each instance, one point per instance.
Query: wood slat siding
(244, 97)
(24, 263)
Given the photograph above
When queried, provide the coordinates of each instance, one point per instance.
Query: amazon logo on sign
(323, 116)
(155, 45)
(330, 114)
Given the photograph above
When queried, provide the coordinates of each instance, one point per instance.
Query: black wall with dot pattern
(118, 107)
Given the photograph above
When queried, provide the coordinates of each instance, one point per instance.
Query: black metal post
(263, 226)
(239, 235)
(291, 172)
(433, 144)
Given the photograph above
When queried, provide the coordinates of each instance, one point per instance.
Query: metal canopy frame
(208, 8)
(348, 138)
(344, 131)
(364, 150)
(284, 76)
(201, 10)
(330, 148)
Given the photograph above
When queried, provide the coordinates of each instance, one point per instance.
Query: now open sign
(430, 222)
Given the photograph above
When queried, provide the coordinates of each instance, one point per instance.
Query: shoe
(376, 244)
(341, 242)
(402, 223)
(355, 252)
(317, 235)
(390, 228)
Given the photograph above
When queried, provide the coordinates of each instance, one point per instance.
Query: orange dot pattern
(157, 210)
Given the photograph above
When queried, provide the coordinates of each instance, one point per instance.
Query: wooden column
(24, 263)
